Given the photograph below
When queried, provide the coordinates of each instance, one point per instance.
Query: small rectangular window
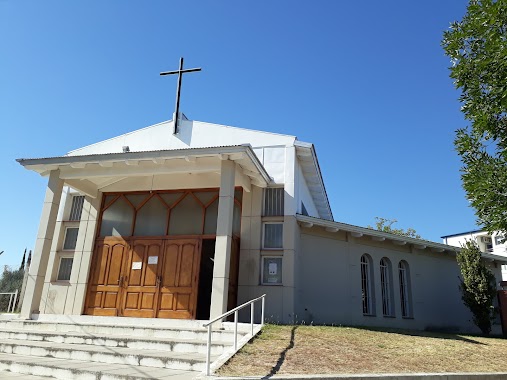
(77, 208)
(272, 236)
(272, 270)
(70, 240)
(273, 202)
(65, 269)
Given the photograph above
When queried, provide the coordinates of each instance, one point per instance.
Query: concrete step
(187, 361)
(134, 331)
(129, 347)
(4, 375)
(67, 369)
(141, 343)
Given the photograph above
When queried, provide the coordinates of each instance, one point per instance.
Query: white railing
(235, 312)
(13, 297)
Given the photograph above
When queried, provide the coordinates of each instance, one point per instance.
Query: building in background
(494, 243)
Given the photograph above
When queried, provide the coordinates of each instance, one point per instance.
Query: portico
(144, 214)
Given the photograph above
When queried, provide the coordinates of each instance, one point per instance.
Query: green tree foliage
(386, 225)
(477, 46)
(9, 282)
(478, 288)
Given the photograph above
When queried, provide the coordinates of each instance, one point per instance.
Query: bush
(478, 287)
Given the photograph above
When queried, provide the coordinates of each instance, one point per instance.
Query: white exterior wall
(193, 134)
(305, 196)
(280, 162)
(331, 293)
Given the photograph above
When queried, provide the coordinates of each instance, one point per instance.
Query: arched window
(368, 296)
(386, 280)
(405, 296)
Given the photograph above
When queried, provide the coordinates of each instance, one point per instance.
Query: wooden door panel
(170, 267)
(104, 290)
(148, 278)
(141, 286)
(186, 270)
(178, 292)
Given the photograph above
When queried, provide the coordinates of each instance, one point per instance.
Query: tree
(385, 225)
(9, 282)
(477, 46)
(477, 285)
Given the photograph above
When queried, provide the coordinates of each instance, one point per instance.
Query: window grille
(404, 299)
(70, 240)
(385, 283)
(366, 282)
(273, 202)
(273, 236)
(77, 208)
(65, 269)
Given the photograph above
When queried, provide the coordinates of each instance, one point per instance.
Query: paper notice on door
(273, 268)
(152, 259)
(137, 265)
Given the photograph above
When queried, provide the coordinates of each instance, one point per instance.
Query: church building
(189, 222)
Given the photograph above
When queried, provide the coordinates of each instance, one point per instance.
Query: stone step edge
(61, 366)
(245, 328)
(126, 338)
(11, 346)
(137, 358)
(134, 321)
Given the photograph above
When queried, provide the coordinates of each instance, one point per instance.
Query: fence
(13, 297)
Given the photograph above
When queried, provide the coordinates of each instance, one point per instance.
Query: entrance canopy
(152, 170)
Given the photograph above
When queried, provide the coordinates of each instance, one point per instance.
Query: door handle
(120, 282)
(159, 281)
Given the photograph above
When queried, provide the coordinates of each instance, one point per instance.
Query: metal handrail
(235, 312)
(13, 297)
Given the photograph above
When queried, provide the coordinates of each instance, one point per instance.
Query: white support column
(290, 236)
(220, 287)
(42, 249)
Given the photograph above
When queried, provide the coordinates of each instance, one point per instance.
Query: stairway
(110, 348)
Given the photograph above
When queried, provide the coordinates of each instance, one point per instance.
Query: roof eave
(311, 148)
(307, 221)
(42, 165)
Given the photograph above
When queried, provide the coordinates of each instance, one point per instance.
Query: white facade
(488, 243)
(311, 268)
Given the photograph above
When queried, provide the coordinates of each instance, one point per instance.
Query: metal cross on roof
(180, 71)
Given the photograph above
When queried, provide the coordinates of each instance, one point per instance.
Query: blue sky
(366, 82)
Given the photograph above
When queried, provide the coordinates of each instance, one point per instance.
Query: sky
(366, 82)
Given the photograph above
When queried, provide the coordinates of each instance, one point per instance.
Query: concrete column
(220, 286)
(42, 249)
(290, 236)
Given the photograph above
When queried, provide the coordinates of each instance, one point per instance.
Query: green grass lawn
(339, 350)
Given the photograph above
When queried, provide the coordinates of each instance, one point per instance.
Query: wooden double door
(144, 277)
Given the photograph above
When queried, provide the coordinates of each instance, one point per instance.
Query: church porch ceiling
(91, 173)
